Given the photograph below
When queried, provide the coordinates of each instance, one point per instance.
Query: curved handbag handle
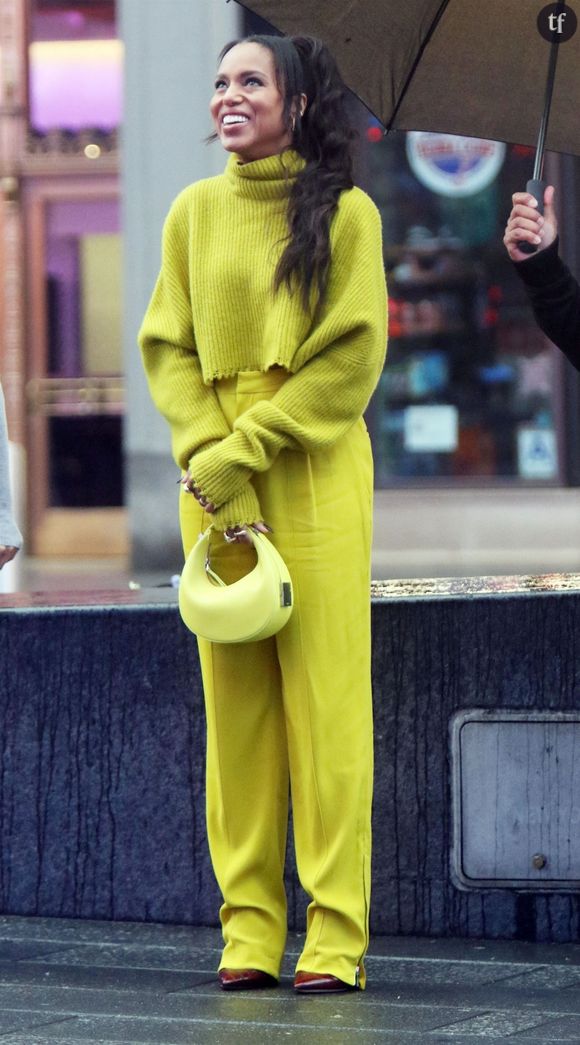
(207, 566)
(213, 576)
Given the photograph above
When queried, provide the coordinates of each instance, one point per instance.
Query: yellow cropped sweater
(214, 313)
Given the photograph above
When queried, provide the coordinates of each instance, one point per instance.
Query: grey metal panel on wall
(516, 799)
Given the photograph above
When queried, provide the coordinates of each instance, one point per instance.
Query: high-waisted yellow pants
(295, 709)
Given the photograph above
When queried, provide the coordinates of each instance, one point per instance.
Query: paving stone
(321, 1022)
(29, 950)
(31, 1024)
(565, 1028)
(438, 949)
(254, 1036)
(492, 1025)
(138, 957)
(80, 930)
(73, 982)
(480, 998)
(545, 976)
(441, 972)
(212, 1035)
(114, 977)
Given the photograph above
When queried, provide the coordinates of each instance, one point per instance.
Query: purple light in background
(76, 85)
(76, 19)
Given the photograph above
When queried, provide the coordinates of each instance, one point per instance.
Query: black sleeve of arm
(554, 294)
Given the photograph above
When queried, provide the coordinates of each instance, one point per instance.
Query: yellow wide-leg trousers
(294, 711)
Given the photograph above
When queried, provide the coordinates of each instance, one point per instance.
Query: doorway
(75, 388)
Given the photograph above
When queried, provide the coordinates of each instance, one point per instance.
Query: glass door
(75, 383)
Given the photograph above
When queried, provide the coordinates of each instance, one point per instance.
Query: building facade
(103, 116)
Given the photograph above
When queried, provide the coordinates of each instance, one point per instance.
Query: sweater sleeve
(555, 298)
(345, 354)
(170, 357)
(173, 367)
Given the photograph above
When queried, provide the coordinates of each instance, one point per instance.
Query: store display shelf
(431, 281)
(451, 329)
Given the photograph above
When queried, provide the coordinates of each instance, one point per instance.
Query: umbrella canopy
(471, 67)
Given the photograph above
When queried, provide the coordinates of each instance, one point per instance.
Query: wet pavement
(79, 981)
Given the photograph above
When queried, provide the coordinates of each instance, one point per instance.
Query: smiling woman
(248, 108)
(263, 342)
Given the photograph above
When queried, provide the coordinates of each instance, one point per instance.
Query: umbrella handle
(536, 188)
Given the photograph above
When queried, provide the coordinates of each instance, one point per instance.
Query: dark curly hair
(323, 136)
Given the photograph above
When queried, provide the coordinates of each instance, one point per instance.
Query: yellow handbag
(252, 608)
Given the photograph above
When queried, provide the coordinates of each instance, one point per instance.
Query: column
(171, 57)
(13, 92)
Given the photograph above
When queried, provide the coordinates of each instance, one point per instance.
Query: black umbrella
(508, 70)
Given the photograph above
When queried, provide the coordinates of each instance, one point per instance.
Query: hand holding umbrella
(527, 225)
(455, 66)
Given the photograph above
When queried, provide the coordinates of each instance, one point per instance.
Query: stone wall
(102, 757)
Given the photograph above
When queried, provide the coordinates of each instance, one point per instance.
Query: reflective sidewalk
(76, 981)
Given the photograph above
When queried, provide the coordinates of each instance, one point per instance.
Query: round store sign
(452, 165)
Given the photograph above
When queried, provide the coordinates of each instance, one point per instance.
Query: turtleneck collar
(267, 179)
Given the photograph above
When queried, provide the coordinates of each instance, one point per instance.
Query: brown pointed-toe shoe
(245, 979)
(320, 983)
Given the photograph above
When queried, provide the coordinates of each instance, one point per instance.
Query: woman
(10, 538)
(551, 287)
(263, 342)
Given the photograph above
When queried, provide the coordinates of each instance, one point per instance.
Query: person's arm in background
(10, 536)
(553, 291)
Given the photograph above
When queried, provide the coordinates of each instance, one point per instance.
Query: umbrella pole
(536, 185)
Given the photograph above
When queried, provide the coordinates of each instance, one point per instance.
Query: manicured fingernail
(533, 202)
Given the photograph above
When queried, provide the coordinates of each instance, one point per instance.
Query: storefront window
(75, 71)
(75, 388)
(470, 390)
(82, 394)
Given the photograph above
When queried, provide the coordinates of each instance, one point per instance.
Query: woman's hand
(525, 224)
(7, 553)
(233, 534)
(189, 487)
(239, 534)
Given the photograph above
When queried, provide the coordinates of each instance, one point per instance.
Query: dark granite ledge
(51, 602)
(468, 588)
(409, 590)
(102, 770)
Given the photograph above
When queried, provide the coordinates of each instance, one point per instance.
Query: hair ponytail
(323, 136)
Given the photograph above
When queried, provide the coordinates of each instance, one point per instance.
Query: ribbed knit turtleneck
(214, 313)
(222, 240)
(267, 179)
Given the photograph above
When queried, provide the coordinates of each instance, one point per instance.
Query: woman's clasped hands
(189, 486)
(232, 534)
